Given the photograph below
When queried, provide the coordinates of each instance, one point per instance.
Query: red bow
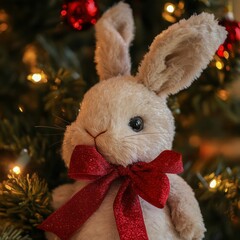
(148, 180)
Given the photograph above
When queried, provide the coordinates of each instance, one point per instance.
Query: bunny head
(126, 117)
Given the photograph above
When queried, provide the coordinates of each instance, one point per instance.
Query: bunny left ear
(178, 55)
(114, 33)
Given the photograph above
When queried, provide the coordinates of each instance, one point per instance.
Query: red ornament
(80, 14)
(233, 29)
(148, 180)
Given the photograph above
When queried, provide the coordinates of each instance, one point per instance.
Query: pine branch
(24, 201)
(11, 233)
(219, 197)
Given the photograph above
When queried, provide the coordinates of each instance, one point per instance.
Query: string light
(172, 12)
(170, 7)
(3, 27)
(213, 183)
(20, 108)
(223, 94)
(3, 21)
(181, 5)
(22, 160)
(30, 59)
(226, 54)
(16, 169)
(219, 65)
(58, 81)
(30, 56)
(37, 77)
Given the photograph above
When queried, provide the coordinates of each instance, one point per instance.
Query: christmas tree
(47, 64)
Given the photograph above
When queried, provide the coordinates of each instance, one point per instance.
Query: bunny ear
(178, 55)
(114, 33)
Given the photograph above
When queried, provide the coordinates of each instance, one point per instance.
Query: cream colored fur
(114, 33)
(176, 57)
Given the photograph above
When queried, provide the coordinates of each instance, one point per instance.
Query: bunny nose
(92, 135)
(100, 134)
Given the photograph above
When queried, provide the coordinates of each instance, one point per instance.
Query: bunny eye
(136, 123)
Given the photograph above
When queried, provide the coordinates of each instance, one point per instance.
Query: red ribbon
(148, 180)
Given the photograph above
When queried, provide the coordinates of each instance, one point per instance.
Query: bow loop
(152, 188)
(87, 164)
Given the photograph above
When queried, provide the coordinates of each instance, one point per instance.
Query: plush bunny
(127, 119)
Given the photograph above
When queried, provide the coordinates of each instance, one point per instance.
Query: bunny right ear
(114, 33)
(178, 55)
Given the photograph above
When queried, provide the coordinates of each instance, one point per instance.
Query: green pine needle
(24, 201)
(11, 233)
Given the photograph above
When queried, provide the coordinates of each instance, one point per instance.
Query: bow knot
(147, 180)
(123, 171)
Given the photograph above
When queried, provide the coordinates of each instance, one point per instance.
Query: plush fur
(115, 28)
(175, 59)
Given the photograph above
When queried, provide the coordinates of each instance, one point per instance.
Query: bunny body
(119, 98)
(158, 222)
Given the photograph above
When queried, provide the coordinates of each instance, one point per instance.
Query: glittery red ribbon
(148, 180)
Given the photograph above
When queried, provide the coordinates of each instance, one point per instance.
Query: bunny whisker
(56, 143)
(53, 134)
(58, 126)
(140, 134)
(64, 120)
(51, 127)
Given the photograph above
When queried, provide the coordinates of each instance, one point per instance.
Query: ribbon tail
(71, 216)
(128, 214)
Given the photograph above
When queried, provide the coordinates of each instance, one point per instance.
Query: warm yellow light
(223, 94)
(20, 108)
(36, 77)
(213, 183)
(219, 65)
(16, 170)
(181, 5)
(168, 17)
(226, 54)
(3, 27)
(194, 140)
(170, 8)
(30, 56)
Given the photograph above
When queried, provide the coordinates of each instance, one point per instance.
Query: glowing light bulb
(170, 8)
(36, 77)
(181, 5)
(219, 65)
(213, 183)
(20, 108)
(30, 56)
(16, 169)
(226, 54)
(223, 94)
(3, 27)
